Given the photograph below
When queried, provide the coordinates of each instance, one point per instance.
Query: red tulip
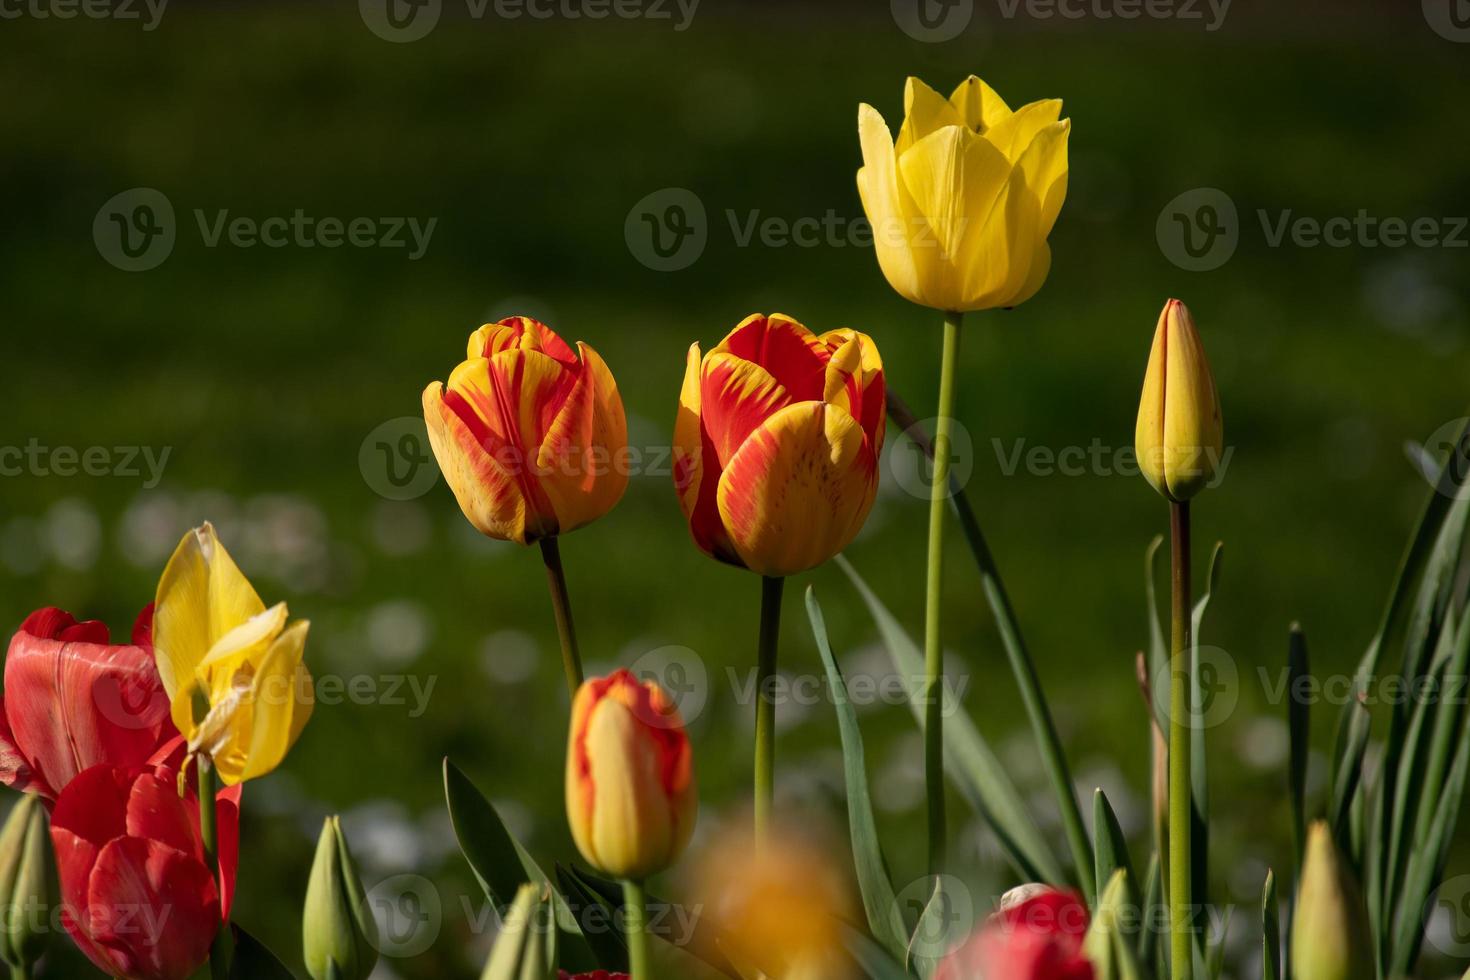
(73, 700)
(1039, 938)
(137, 895)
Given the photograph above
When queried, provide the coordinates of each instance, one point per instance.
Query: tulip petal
(155, 812)
(75, 858)
(15, 771)
(201, 597)
(788, 351)
(799, 489)
(488, 494)
(883, 201)
(736, 396)
(581, 464)
(1193, 431)
(154, 907)
(73, 705)
(1013, 134)
(519, 333)
(281, 703)
(924, 112)
(1044, 163)
(871, 412)
(697, 469)
(979, 106)
(632, 825)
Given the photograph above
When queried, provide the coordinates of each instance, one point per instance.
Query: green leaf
(253, 961)
(1111, 846)
(969, 759)
(1150, 950)
(932, 938)
(704, 943)
(879, 902)
(1107, 943)
(1158, 647)
(1199, 757)
(875, 962)
(501, 864)
(610, 946)
(1270, 931)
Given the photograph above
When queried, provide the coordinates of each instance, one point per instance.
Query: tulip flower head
(1329, 934)
(530, 436)
(776, 443)
(28, 885)
(74, 700)
(1180, 435)
(139, 899)
(631, 797)
(233, 669)
(962, 204)
(1036, 936)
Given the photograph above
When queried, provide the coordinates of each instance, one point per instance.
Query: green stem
(765, 705)
(933, 642)
(20, 972)
(1181, 892)
(221, 952)
(636, 916)
(561, 605)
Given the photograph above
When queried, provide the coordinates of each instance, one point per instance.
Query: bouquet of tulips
(133, 757)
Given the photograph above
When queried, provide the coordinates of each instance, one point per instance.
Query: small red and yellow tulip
(961, 205)
(776, 443)
(530, 436)
(1180, 437)
(630, 790)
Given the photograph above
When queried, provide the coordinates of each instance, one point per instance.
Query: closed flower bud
(28, 887)
(520, 949)
(1329, 936)
(631, 799)
(530, 434)
(776, 443)
(340, 935)
(1180, 435)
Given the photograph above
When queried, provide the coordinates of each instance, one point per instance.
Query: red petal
(143, 628)
(228, 815)
(73, 705)
(789, 351)
(46, 623)
(155, 907)
(75, 858)
(94, 806)
(155, 812)
(15, 771)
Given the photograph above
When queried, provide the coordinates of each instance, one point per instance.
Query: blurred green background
(267, 372)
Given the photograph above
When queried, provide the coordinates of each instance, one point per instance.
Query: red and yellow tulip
(776, 443)
(631, 797)
(233, 669)
(530, 436)
(962, 204)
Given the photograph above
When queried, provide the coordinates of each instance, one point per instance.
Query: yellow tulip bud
(1329, 937)
(962, 203)
(1180, 436)
(631, 798)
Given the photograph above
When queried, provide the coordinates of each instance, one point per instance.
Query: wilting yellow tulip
(1329, 934)
(631, 798)
(776, 443)
(233, 670)
(962, 204)
(1180, 436)
(530, 436)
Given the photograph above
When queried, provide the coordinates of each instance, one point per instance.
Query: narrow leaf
(1270, 931)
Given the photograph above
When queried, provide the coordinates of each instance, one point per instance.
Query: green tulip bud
(1108, 945)
(1329, 938)
(341, 938)
(28, 887)
(520, 950)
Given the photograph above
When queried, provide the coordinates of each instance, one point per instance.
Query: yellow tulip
(962, 204)
(530, 435)
(1329, 934)
(630, 791)
(1180, 436)
(239, 691)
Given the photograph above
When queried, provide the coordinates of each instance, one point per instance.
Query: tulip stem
(635, 915)
(933, 642)
(765, 704)
(1181, 892)
(221, 952)
(561, 605)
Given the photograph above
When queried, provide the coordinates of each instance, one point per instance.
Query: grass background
(264, 370)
